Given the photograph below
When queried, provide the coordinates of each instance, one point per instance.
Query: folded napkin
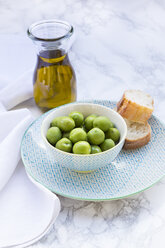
(16, 92)
(13, 123)
(26, 210)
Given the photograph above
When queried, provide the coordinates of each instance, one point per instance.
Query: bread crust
(134, 144)
(133, 111)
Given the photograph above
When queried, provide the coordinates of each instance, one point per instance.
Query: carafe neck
(52, 38)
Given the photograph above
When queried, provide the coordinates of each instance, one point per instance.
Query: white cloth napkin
(26, 210)
(13, 125)
(16, 92)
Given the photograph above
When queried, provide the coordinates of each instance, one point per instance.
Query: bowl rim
(85, 155)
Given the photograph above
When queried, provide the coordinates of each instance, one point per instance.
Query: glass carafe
(54, 81)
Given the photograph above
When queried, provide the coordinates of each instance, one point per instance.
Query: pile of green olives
(79, 135)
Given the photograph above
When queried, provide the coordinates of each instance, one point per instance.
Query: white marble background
(119, 45)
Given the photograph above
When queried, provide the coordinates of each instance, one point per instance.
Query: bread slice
(138, 134)
(135, 105)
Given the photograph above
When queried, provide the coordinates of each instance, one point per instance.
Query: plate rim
(75, 197)
(93, 199)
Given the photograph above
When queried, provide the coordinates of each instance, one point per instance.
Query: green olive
(113, 133)
(64, 144)
(63, 133)
(102, 122)
(53, 135)
(95, 149)
(66, 123)
(96, 136)
(55, 121)
(111, 124)
(83, 128)
(66, 135)
(89, 121)
(107, 144)
(77, 117)
(82, 147)
(77, 134)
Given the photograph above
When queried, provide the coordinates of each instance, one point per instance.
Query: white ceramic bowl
(84, 163)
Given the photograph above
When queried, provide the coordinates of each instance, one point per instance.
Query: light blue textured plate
(130, 173)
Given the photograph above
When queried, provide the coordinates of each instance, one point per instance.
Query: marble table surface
(119, 45)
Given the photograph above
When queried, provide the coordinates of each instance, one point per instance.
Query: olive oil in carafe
(54, 80)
